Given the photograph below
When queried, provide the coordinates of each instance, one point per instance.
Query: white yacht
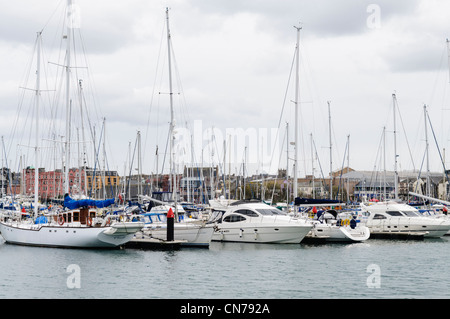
(259, 223)
(393, 217)
(331, 227)
(190, 232)
(76, 228)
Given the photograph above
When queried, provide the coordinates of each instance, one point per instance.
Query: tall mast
(38, 95)
(287, 163)
(297, 58)
(384, 163)
(331, 151)
(312, 168)
(66, 148)
(172, 123)
(426, 152)
(348, 168)
(395, 151)
(448, 53)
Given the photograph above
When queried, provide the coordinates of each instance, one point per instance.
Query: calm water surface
(405, 269)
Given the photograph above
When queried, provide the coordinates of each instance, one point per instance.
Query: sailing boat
(393, 218)
(79, 226)
(189, 231)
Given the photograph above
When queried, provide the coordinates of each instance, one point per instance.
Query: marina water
(373, 269)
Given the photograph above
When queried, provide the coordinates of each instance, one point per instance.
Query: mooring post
(170, 221)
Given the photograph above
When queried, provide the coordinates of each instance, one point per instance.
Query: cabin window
(379, 216)
(410, 213)
(234, 218)
(270, 211)
(395, 213)
(76, 216)
(247, 212)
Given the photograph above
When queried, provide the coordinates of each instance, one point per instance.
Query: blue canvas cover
(73, 204)
(41, 220)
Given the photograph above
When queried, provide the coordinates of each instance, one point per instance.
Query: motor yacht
(256, 222)
(329, 226)
(394, 217)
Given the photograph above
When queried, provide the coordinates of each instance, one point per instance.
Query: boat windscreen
(394, 213)
(269, 211)
(409, 213)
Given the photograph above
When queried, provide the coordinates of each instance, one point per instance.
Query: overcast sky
(231, 72)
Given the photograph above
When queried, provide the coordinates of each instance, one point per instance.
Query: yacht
(393, 217)
(329, 226)
(256, 222)
(188, 231)
(80, 228)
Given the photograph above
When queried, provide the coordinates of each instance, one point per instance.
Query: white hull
(257, 233)
(259, 223)
(333, 233)
(190, 234)
(431, 230)
(66, 236)
(381, 221)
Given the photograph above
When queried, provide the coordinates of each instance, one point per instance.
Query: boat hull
(188, 234)
(63, 236)
(278, 234)
(427, 226)
(333, 233)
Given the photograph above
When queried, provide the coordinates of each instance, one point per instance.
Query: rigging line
(287, 88)
(91, 82)
(340, 177)
(51, 16)
(374, 174)
(318, 160)
(22, 93)
(110, 183)
(283, 106)
(6, 162)
(376, 157)
(420, 172)
(96, 161)
(279, 160)
(131, 166)
(406, 137)
(153, 92)
(165, 154)
(437, 146)
(179, 83)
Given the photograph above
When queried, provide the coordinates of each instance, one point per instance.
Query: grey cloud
(104, 28)
(322, 17)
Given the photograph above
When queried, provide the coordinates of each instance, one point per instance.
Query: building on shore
(84, 181)
(198, 185)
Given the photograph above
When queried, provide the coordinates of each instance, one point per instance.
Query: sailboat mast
(287, 164)
(395, 151)
(66, 148)
(331, 151)
(448, 53)
(384, 163)
(171, 131)
(426, 150)
(297, 58)
(38, 95)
